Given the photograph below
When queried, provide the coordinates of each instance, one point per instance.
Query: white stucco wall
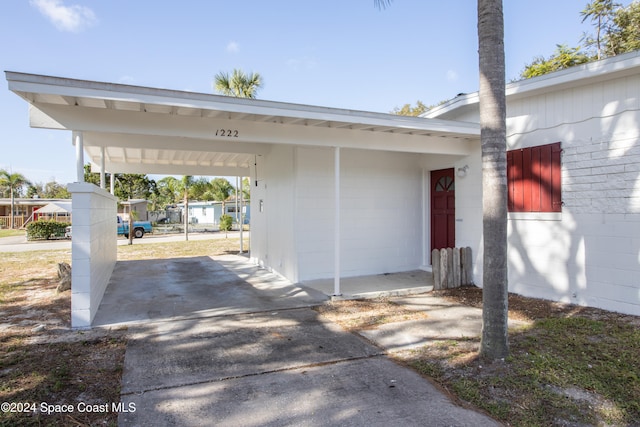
(93, 249)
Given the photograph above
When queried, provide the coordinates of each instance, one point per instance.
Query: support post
(241, 219)
(77, 140)
(102, 178)
(336, 261)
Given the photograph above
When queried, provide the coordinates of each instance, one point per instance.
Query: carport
(132, 129)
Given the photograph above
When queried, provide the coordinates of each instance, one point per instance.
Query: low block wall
(93, 249)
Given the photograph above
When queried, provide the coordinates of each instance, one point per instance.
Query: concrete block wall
(590, 254)
(94, 249)
(381, 212)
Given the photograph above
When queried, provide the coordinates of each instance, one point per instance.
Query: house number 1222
(231, 133)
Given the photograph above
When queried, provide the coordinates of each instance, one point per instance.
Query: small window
(204, 211)
(445, 183)
(534, 179)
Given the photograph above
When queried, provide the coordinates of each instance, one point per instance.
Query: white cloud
(73, 18)
(452, 76)
(233, 47)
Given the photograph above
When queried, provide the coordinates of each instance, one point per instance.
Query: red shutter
(534, 179)
(556, 177)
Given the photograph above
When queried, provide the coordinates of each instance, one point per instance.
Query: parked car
(139, 228)
(163, 221)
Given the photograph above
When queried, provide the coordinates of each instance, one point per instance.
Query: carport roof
(150, 130)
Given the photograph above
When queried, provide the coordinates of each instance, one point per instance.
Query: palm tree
(14, 182)
(186, 182)
(493, 139)
(238, 84)
(221, 189)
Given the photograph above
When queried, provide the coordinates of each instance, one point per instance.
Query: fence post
(435, 268)
(456, 267)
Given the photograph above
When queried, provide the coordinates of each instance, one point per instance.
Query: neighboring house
(139, 206)
(338, 193)
(23, 210)
(208, 213)
(574, 182)
(54, 211)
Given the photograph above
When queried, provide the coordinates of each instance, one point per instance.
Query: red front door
(443, 209)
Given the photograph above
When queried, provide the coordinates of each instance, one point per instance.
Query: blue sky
(336, 53)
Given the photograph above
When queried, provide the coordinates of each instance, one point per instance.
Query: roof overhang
(580, 75)
(148, 130)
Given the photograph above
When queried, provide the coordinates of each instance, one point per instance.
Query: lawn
(7, 232)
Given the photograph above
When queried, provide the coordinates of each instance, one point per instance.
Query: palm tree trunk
(494, 344)
(11, 219)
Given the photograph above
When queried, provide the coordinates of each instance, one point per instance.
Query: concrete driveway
(221, 342)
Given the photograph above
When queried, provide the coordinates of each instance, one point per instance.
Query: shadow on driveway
(221, 342)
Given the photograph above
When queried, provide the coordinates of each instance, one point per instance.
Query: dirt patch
(47, 366)
(356, 315)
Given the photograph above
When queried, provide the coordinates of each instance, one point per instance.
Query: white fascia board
(21, 84)
(188, 127)
(580, 75)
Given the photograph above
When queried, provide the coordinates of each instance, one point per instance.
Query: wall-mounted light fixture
(462, 172)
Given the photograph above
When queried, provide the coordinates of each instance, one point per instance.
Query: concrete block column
(93, 249)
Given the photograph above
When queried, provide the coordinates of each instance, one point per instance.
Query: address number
(230, 133)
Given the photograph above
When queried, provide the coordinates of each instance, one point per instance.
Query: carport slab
(170, 354)
(179, 288)
(365, 392)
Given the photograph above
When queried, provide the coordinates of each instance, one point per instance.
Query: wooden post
(435, 267)
(456, 267)
(449, 268)
(444, 268)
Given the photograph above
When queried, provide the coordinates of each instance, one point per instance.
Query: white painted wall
(590, 255)
(93, 249)
(272, 229)
(381, 212)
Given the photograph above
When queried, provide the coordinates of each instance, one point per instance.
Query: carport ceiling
(147, 130)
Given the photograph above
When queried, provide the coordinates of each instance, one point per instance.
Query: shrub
(226, 221)
(45, 230)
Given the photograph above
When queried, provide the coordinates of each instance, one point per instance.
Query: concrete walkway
(221, 342)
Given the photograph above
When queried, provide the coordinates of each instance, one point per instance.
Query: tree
(493, 138)
(563, 57)
(238, 84)
(14, 182)
(624, 35)
(246, 189)
(221, 189)
(601, 14)
(126, 185)
(168, 191)
(186, 182)
(494, 343)
(617, 31)
(408, 110)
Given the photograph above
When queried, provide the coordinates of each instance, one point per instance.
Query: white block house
(338, 193)
(586, 252)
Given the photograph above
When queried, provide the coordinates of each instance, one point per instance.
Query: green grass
(7, 232)
(561, 370)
